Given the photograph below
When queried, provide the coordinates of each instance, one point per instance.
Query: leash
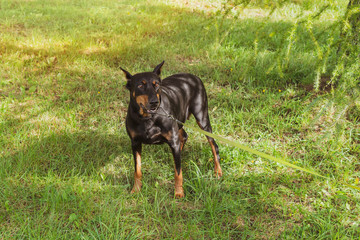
(248, 149)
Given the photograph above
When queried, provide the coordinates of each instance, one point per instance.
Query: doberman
(146, 122)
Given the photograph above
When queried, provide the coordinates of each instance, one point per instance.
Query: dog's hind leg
(202, 119)
(183, 137)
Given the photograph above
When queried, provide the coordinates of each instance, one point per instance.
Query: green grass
(66, 168)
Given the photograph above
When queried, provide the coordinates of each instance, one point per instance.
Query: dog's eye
(156, 85)
(140, 86)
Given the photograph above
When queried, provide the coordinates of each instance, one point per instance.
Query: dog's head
(145, 89)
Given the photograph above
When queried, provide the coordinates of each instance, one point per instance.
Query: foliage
(337, 49)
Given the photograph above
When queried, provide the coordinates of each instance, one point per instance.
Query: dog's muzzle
(153, 107)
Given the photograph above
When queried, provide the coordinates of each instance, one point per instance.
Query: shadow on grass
(68, 154)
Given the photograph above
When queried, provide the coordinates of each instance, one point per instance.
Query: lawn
(66, 168)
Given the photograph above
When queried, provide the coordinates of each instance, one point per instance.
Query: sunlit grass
(65, 159)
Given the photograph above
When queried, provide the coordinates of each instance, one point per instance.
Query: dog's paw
(179, 192)
(218, 172)
(136, 188)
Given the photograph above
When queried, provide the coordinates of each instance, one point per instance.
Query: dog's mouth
(153, 109)
(150, 110)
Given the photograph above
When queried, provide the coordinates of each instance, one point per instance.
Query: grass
(65, 159)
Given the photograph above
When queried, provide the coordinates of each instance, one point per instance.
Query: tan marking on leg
(182, 140)
(217, 168)
(137, 175)
(179, 191)
(132, 133)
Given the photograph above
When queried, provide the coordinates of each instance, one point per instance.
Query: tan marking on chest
(167, 135)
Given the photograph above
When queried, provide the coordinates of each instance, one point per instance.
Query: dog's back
(186, 95)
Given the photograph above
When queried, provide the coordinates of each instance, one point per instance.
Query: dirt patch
(325, 85)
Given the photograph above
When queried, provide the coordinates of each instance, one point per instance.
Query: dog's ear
(127, 74)
(157, 69)
(128, 77)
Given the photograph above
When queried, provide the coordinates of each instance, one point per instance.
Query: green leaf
(32, 89)
(72, 217)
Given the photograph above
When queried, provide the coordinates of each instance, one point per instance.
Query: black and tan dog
(150, 100)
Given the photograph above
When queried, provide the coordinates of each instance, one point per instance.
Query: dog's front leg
(136, 148)
(176, 151)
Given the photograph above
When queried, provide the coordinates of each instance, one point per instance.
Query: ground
(66, 169)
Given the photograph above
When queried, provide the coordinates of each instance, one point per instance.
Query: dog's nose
(154, 103)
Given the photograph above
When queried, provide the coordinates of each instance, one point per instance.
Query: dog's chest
(148, 133)
(152, 132)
